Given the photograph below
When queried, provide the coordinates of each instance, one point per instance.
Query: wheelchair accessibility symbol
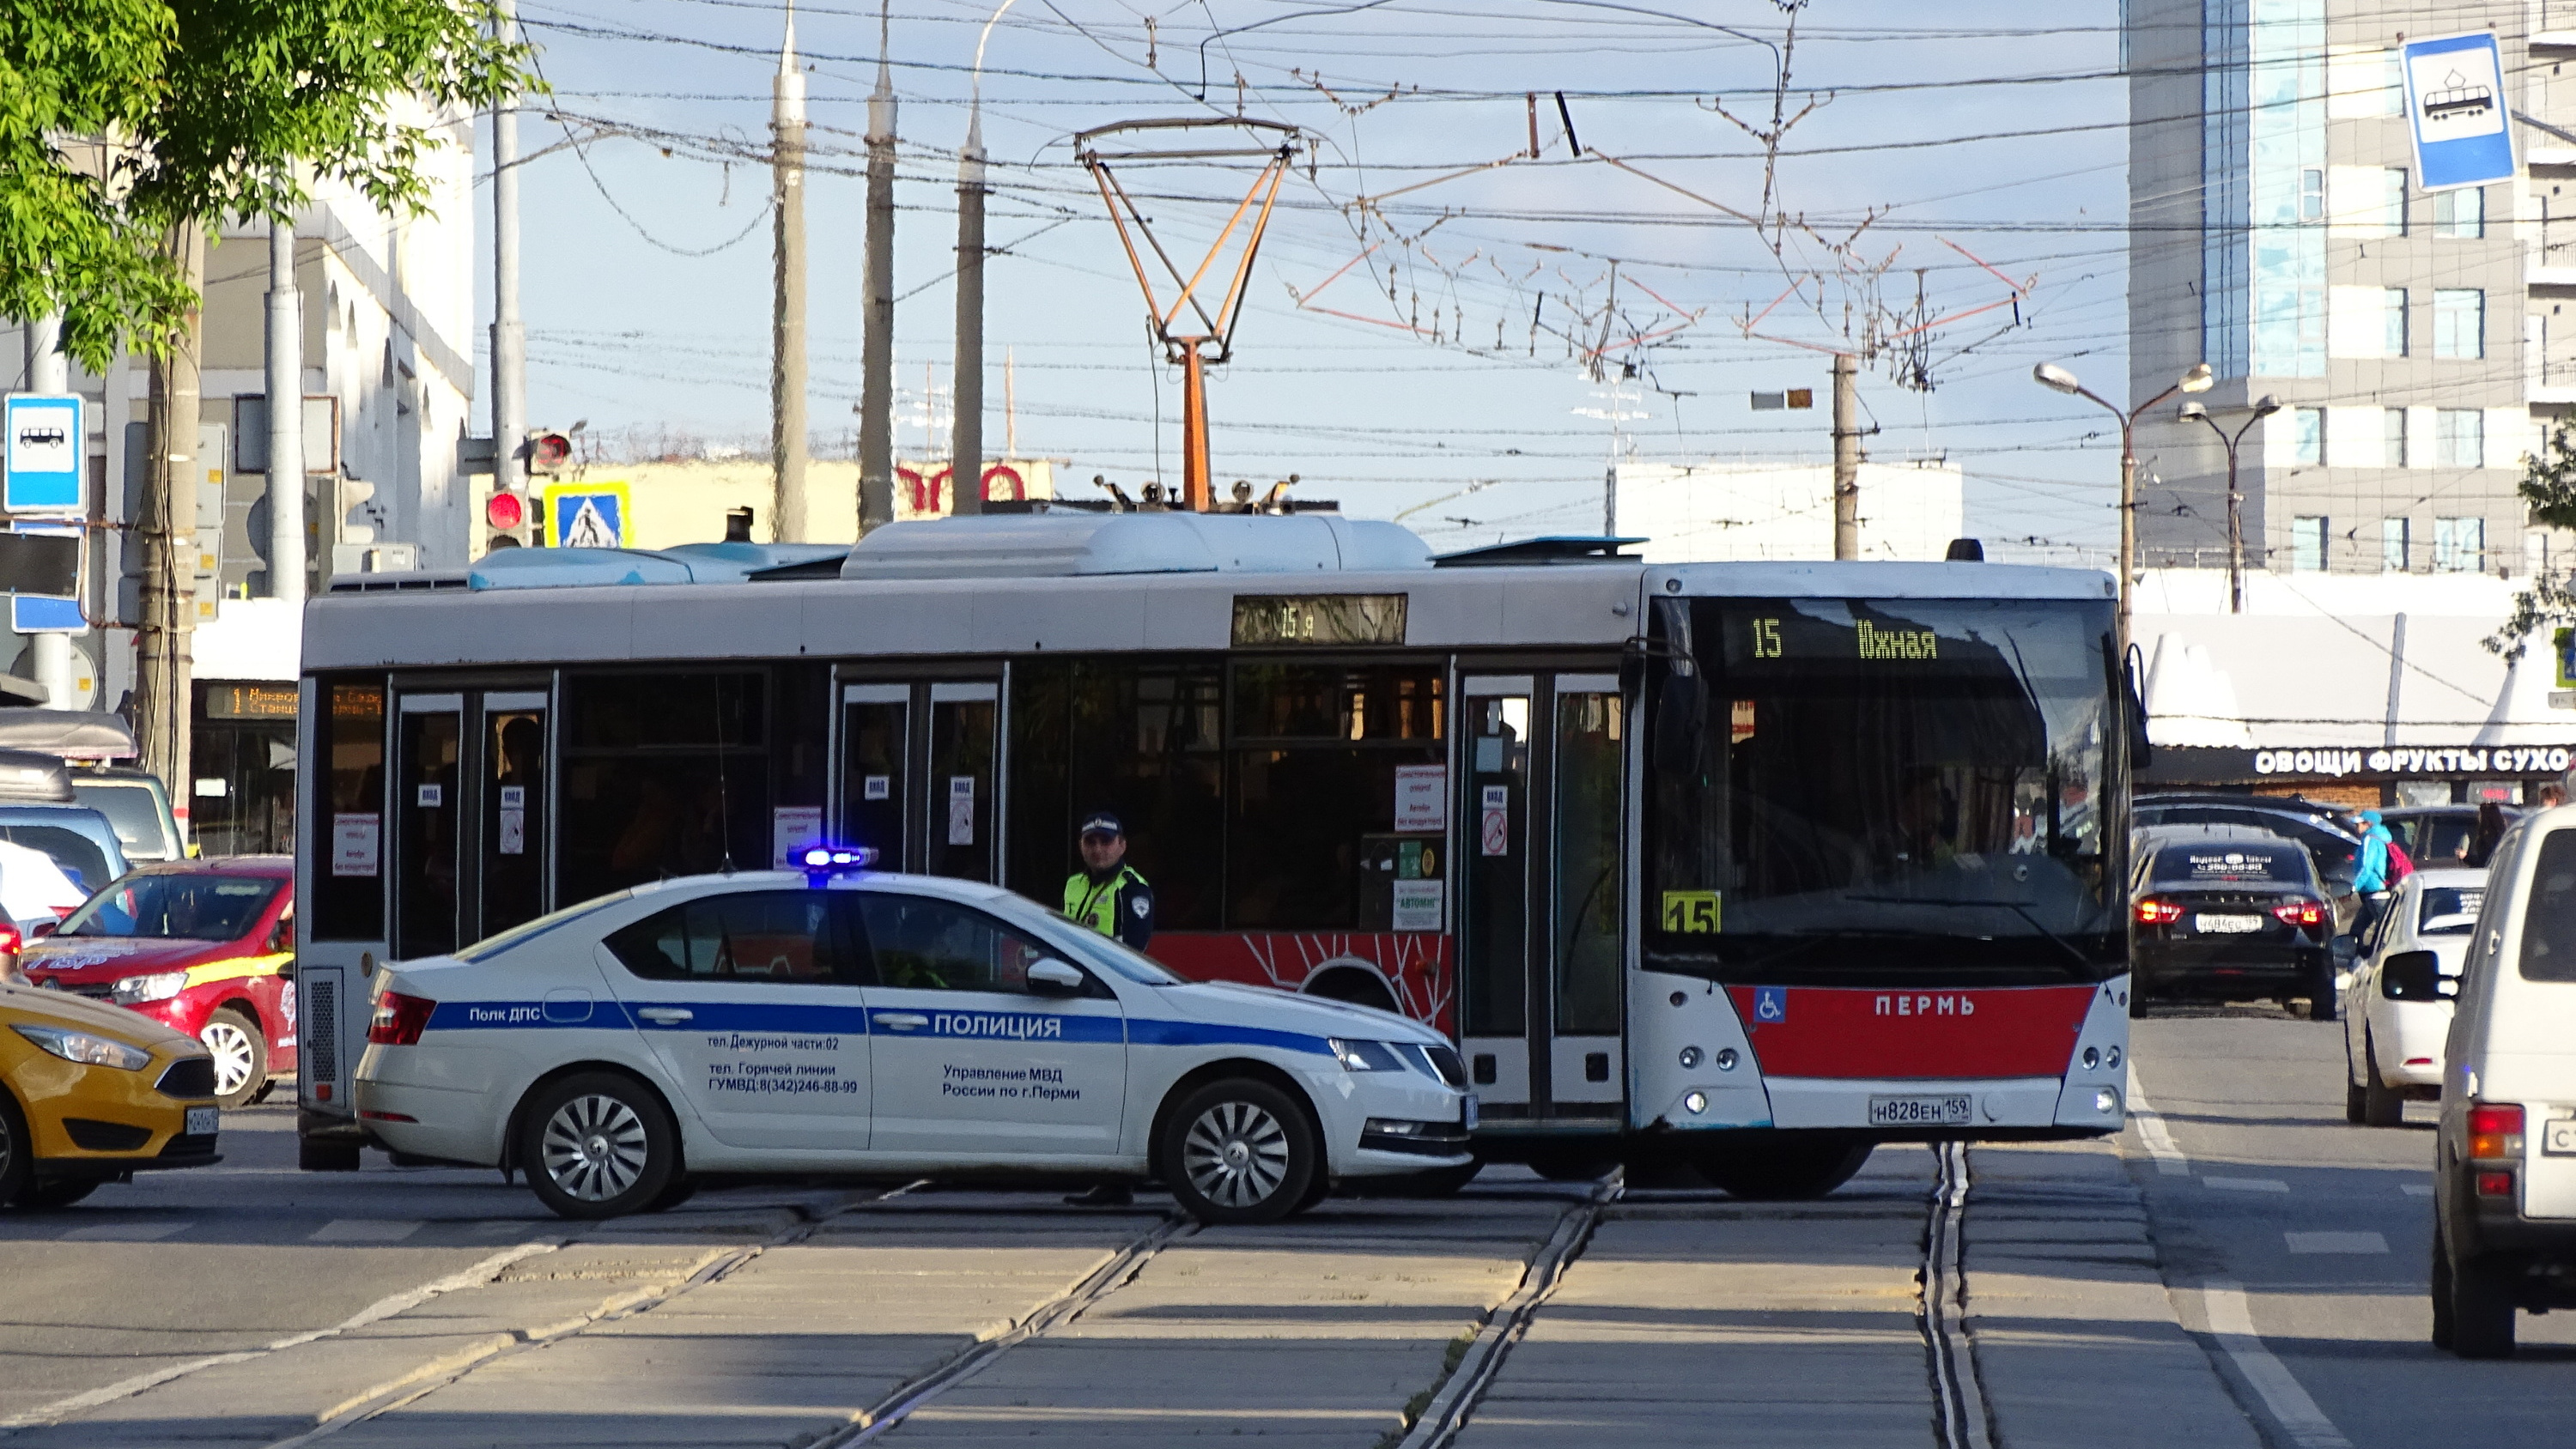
(1771, 1003)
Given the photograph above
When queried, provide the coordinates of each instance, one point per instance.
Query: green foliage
(121, 120)
(2549, 486)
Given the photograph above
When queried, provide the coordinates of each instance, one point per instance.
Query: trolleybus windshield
(1882, 792)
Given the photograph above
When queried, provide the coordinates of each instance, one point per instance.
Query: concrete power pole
(509, 333)
(168, 534)
(49, 371)
(787, 326)
(966, 448)
(1846, 457)
(285, 418)
(876, 367)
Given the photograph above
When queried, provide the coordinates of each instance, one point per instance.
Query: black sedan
(2230, 914)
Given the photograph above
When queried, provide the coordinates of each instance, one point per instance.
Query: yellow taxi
(93, 1093)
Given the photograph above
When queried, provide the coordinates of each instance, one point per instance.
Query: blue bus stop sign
(2455, 106)
(46, 449)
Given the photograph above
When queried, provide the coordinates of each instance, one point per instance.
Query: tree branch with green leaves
(2549, 487)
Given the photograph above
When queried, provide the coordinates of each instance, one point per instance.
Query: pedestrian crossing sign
(587, 515)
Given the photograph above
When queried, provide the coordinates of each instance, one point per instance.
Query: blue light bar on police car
(823, 861)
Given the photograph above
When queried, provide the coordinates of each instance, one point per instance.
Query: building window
(2393, 435)
(2460, 438)
(2391, 211)
(2312, 193)
(2459, 322)
(2308, 435)
(2461, 213)
(2459, 545)
(2392, 545)
(2308, 544)
(2392, 321)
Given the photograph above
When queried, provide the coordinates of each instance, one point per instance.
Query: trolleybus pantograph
(1754, 864)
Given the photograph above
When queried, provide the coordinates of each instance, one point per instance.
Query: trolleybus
(1758, 864)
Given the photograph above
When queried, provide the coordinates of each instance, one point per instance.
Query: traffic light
(508, 513)
(548, 452)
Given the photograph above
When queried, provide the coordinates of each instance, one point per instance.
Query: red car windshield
(181, 906)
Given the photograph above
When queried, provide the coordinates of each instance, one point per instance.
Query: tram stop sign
(2455, 107)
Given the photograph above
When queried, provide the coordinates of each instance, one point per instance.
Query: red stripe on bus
(2026, 1031)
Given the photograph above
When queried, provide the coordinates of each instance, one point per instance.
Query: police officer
(1107, 895)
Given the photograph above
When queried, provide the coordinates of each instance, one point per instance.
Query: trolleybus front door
(469, 803)
(1541, 909)
(920, 774)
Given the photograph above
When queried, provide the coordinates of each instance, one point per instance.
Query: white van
(2504, 1194)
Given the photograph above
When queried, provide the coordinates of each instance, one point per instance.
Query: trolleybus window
(663, 775)
(347, 885)
(1881, 788)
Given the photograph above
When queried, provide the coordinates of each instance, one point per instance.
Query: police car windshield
(1099, 950)
(184, 907)
(491, 946)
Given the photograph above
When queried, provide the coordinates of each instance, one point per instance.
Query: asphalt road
(2328, 1228)
(2283, 1251)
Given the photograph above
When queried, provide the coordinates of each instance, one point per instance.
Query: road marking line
(2246, 1184)
(2336, 1242)
(365, 1230)
(2151, 1130)
(2416, 1189)
(126, 1232)
(475, 1276)
(2231, 1319)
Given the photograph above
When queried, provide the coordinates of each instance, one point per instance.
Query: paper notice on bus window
(961, 810)
(355, 843)
(1494, 829)
(791, 829)
(1417, 905)
(514, 831)
(1422, 797)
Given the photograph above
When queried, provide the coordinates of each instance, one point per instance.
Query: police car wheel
(597, 1146)
(1240, 1151)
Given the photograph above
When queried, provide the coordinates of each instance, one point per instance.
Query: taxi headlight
(88, 1050)
(1364, 1056)
(152, 986)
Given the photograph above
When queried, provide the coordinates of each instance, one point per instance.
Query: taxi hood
(106, 958)
(61, 1008)
(1263, 1006)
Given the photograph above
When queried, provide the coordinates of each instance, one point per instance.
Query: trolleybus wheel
(597, 1145)
(1781, 1166)
(1239, 1151)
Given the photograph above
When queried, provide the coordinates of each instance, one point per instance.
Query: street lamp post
(2264, 407)
(2199, 379)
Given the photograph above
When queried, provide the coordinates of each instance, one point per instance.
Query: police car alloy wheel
(1240, 1152)
(597, 1146)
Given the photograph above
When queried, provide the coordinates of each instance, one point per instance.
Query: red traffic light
(506, 511)
(549, 450)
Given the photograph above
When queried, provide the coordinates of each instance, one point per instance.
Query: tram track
(1960, 1416)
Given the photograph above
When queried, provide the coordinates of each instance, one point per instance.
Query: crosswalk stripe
(132, 1232)
(365, 1230)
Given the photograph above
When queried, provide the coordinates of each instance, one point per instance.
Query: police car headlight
(153, 986)
(88, 1050)
(1365, 1056)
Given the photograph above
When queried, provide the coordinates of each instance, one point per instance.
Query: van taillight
(400, 1019)
(2153, 912)
(2495, 1132)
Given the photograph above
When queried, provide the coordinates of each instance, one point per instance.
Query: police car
(838, 1020)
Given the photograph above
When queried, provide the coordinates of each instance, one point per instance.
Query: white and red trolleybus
(1755, 864)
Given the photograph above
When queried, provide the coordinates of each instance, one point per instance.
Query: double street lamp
(2264, 407)
(2199, 379)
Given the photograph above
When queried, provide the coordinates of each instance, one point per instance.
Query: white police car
(783, 1022)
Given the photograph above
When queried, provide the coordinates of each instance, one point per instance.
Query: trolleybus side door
(1541, 915)
(469, 810)
(921, 776)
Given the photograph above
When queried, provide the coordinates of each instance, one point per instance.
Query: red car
(197, 945)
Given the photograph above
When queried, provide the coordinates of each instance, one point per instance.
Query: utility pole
(49, 371)
(966, 406)
(168, 533)
(509, 334)
(876, 364)
(1610, 502)
(285, 418)
(1846, 456)
(787, 330)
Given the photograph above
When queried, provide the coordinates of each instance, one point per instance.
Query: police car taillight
(400, 1019)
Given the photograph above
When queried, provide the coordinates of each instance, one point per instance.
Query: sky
(1438, 327)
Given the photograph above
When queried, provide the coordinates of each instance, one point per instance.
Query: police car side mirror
(1054, 978)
